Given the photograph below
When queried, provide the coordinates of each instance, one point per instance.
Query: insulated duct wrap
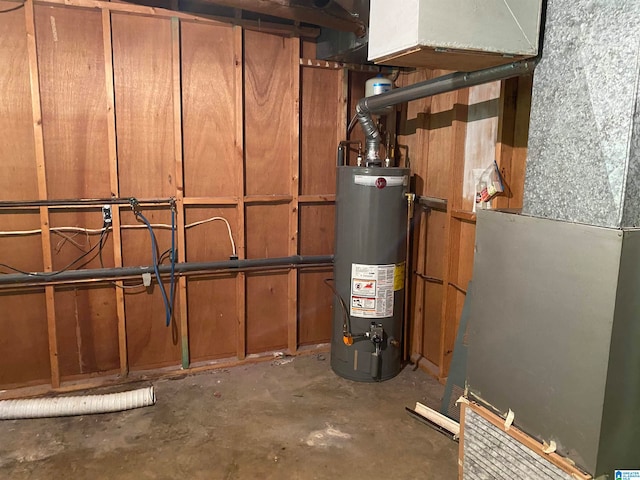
(78, 405)
(583, 160)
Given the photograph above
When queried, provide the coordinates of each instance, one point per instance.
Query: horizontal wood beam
(333, 16)
(267, 199)
(132, 8)
(210, 200)
(316, 198)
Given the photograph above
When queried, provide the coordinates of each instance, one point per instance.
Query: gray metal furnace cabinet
(554, 334)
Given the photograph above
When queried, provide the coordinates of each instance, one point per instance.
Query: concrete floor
(291, 418)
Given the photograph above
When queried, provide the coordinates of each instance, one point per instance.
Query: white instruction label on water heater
(372, 290)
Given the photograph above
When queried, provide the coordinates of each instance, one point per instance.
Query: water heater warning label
(372, 289)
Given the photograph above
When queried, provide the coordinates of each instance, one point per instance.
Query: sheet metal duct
(583, 160)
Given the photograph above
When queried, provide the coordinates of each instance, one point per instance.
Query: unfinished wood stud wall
(230, 122)
(156, 105)
(449, 136)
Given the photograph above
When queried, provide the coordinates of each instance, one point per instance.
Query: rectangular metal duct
(462, 35)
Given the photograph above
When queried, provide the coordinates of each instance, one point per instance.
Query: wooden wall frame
(198, 191)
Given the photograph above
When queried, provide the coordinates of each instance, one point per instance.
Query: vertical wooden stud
(343, 110)
(520, 138)
(42, 188)
(115, 189)
(420, 285)
(452, 226)
(504, 145)
(179, 183)
(295, 190)
(240, 190)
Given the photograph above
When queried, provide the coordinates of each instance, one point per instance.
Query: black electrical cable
(58, 272)
(164, 255)
(103, 239)
(346, 325)
(13, 9)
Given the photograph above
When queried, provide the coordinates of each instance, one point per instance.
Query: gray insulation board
(491, 454)
(583, 162)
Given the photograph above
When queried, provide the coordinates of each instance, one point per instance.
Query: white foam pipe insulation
(78, 405)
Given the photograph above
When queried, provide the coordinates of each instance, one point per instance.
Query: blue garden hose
(154, 253)
(172, 288)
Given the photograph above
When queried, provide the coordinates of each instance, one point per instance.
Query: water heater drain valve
(376, 335)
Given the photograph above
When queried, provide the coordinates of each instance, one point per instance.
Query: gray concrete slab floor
(291, 418)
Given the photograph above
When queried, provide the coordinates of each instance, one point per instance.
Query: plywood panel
(314, 307)
(521, 136)
(319, 130)
(465, 258)
(66, 247)
(440, 138)
(213, 318)
(24, 340)
(432, 321)
(412, 129)
(150, 343)
(267, 231)
(317, 229)
(210, 241)
(208, 103)
(25, 250)
(266, 312)
(18, 180)
(308, 49)
(435, 241)
(87, 330)
(268, 108)
(74, 105)
(144, 113)
(357, 82)
(481, 137)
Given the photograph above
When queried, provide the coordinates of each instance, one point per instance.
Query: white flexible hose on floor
(80, 405)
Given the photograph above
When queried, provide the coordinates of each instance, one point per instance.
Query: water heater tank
(369, 272)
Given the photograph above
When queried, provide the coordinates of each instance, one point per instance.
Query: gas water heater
(369, 272)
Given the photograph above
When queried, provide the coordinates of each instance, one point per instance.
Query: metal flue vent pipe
(369, 106)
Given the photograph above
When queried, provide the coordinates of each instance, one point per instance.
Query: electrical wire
(346, 323)
(13, 9)
(352, 124)
(213, 219)
(64, 269)
(99, 230)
